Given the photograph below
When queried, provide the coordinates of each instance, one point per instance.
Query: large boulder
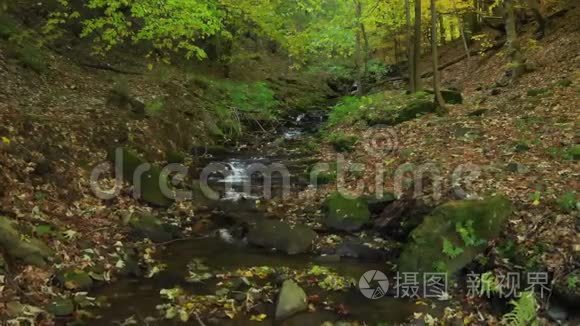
(281, 236)
(453, 234)
(452, 96)
(406, 108)
(292, 300)
(377, 204)
(28, 250)
(344, 213)
(151, 180)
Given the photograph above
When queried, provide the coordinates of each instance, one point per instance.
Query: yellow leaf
(6, 140)
(259, 317)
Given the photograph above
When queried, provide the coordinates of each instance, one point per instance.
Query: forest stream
(139, 297)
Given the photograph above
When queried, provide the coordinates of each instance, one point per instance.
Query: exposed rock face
(281, 236)
(346, 214)
(29, 251)
(292, 300)
(453, 234)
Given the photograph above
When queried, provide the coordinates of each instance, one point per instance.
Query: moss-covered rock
(408, 107)
(292, 300)
(281, 236)
(61, 307)
(346, 214)
(452, 96)
(151, 227)
(377, 204)
(150, 180)
(453, 234)
(16, 245)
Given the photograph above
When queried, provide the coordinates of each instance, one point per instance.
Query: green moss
(466, 224)
(347, 214)
(150, 180)
(154, 107)
(533, 92)
(389, 108)
(8, 26)
(342, 142)
(322, 173)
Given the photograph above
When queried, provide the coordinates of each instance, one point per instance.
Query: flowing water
(139, 297)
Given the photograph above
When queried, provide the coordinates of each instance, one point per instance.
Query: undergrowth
(389, 107)
(236, 103)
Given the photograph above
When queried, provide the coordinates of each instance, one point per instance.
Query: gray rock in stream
(282, 236)
(292, 300)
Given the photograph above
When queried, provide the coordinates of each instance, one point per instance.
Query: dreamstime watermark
(374, 284)
(425, 179)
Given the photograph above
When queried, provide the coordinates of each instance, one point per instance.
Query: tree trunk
(410, 48)
(441, 108)
(534, 5)
(417, 46)
(396, 49)
(512, 42)
(441, 29)
(360, 65)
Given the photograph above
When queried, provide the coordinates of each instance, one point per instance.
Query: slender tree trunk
(534, 5)
(360, 65)
(442, 29)
(417, 46)
(410, 48)
(442, 109)
(396, 49)
(365, 48)
(462, 32)
(512, 42)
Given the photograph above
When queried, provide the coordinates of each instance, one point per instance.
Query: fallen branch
(108, 67)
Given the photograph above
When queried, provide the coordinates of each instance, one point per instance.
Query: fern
(450, 250)
(488, 284)
(524, 312)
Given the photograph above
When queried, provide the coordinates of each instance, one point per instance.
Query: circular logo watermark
(373, 284)
(381, 141)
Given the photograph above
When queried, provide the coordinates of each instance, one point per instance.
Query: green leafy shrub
(348, 110)
(256, 99)
(31, 57)
(8, 27)
(154, 107)
(572, 281)
(568, 201)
